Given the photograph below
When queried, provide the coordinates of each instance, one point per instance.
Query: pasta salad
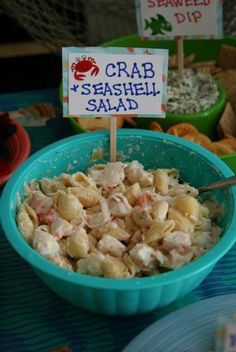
(117, 221)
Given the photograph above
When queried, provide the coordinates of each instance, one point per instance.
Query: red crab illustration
(84, 64)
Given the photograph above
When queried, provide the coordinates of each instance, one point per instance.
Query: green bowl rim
(115, 41)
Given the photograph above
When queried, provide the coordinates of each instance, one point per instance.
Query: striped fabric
(34, 319)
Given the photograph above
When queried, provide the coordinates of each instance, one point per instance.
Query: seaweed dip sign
(179, 18)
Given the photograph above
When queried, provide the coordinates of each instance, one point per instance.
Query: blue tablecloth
(33, 318)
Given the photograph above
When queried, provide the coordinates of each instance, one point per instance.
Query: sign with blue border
(114, 81)
(171, 19)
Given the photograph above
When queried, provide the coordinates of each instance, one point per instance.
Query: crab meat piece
(119, 205)
(109, 244)
(109, 175)
(178, 240)
(40, 203)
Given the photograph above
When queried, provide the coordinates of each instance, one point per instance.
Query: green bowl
(76, 126)
(205, 121)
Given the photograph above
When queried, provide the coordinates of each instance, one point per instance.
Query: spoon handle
(229, 181)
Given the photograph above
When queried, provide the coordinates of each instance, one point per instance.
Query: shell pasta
(117, 221)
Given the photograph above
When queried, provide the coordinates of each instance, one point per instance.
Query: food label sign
(114, 81)
(179, 18)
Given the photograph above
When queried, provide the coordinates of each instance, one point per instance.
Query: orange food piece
(181, 129)
(229, 143)
(143, 199)
(156, 127)
(198, 138)
(219, 149)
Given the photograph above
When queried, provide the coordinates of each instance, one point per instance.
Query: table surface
(34, 318)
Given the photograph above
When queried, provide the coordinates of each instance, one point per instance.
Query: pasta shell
(117, 232)
(136, 237)
(88, 196)
(77, 244)
(130, 225)
(27, 221)
(62, 262)
(98, 232)
(68, 206)
(92, 265)
(213, 210)
(182, 223)
(142, 217)
(63, 250)
(176, 260)
(184, 188)
(172, 173)
(145, 179)
(92, 244)
(114, 268)
(159, 210)
(132, 267)
(50, 186)
(95, 221)
(65, 179)
(203, 224)
(188, 206)
(161, 182)
(132, 193)
(80, 179)
(158, 230)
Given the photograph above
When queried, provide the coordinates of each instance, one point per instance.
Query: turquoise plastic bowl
(129, 296)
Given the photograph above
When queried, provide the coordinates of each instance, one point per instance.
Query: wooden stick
(180, 44)
(113, 139)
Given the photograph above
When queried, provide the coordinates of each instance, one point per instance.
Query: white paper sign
(127, 82)
(184, 18)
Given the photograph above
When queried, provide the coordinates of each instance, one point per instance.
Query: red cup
(18, 149)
